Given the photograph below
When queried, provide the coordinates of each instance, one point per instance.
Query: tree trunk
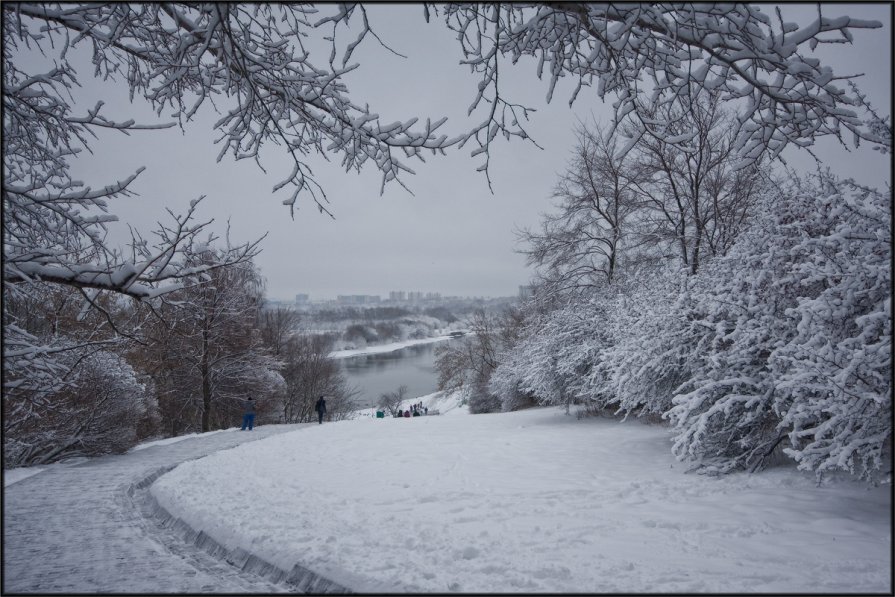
(206, 383)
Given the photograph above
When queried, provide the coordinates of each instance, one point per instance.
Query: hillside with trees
(685, 276)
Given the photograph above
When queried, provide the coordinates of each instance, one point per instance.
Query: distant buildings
(412, 300)
(358, 299)
(399, 296)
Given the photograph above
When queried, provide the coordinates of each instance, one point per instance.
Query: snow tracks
(94, 528)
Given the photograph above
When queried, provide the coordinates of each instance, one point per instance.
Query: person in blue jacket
(248, 413)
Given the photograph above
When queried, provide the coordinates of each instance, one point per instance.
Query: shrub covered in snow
(783, 344)
(797, 321)
(99, 410)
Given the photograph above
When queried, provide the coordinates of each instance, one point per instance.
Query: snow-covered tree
(650, 342)
(835, 380)
(796, 343)
(660, 51)
(206, 352)
(102, 408)
(723, 411)
(309, 372)
(277, 325)
(466, 365)
(54, 229)
(628, 221)
(391, 401)
(580, 245)
(48, 340)
(252, 58)
(553, 360)
(695, 192)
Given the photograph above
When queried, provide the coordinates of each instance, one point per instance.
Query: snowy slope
(530, 501)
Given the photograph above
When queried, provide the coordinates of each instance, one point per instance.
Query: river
(374, 374)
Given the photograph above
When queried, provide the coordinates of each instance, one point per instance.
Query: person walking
(248, 413)
(321, 409)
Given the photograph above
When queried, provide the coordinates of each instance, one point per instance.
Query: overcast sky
(452, 235)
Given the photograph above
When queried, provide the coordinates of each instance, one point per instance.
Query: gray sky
(453, 235)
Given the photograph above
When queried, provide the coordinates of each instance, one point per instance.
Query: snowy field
(531, 501)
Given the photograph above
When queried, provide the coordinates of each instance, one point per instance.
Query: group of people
(415, 410)
(248, 412)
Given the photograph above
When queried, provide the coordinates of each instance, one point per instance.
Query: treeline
(362, 334)
(126, 371)
(361, 314)
(369, 314)
(379, 325)
(749, 311)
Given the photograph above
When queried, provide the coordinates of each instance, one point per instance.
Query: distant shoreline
(381, 348)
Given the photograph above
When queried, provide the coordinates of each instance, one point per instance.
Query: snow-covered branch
(660, 51)
(60, 254)
(181, 55)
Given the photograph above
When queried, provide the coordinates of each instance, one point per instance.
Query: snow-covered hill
(530, 501)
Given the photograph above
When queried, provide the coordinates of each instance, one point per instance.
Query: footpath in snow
(78, 526)
(530, 501)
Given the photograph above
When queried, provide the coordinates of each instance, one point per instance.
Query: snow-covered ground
(174, 440)
(14, 475)
(530, 501)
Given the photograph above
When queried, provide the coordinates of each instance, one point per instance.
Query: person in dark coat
(248, 413)
(321, 409)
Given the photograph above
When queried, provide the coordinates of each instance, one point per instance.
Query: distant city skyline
(414, 295)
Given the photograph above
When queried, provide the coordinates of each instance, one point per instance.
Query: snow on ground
(174, 440)
(437, 402)
(529, 501)
(380, 348)
(14, 475)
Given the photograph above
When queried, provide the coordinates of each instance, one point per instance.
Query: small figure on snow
(248, 413)
(321, 409)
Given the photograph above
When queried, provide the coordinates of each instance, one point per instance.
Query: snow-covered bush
(796, 348)
(779, 346)
(553, 361)
(835, 380)
(652, 342)
(100, 410)
(360, 335)
(723, 411)
(467, 364)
